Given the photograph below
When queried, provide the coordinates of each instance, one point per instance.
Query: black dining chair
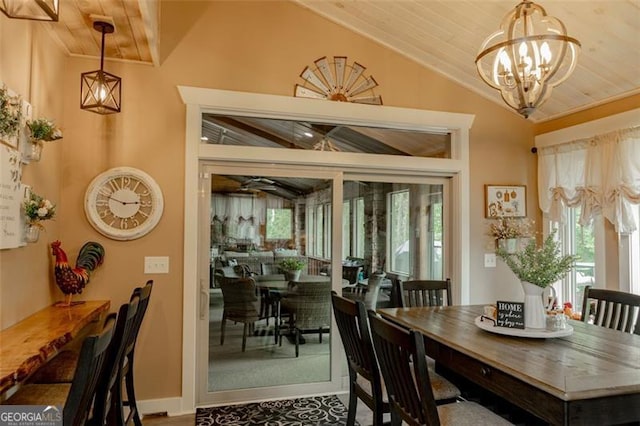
(62, 368)
(611, 309)
(416, 293)
(126, 376)
(78, 396)
(105, 409)
(365, 382)
(401, 356)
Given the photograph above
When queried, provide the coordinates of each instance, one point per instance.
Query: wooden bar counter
(30, 343)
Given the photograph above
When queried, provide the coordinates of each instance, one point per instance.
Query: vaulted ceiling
(442, 35)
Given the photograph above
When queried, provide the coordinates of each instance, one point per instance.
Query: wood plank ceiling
(442, 35)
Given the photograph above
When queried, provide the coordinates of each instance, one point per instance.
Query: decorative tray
(487, 325)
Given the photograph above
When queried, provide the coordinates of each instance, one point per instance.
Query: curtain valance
(600, 174)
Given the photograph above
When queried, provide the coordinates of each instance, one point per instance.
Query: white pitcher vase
(534, 312)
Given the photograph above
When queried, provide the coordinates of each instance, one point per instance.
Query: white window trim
(201, 100)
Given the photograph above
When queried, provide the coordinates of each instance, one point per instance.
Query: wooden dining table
(30, 343)
(591, 376)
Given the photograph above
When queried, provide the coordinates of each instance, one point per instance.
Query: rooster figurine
(72, 280)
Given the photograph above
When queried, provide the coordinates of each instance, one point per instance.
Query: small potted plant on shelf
(36, 209)
(537, 268)
(292, 268)
(40, 130)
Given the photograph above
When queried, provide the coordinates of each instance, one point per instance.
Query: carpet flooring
(313, 411)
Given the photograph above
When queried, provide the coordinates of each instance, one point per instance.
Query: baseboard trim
(171, 406)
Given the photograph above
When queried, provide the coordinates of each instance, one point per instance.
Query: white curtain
(599, 174)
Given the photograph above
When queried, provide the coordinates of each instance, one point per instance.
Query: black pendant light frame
(100, 91)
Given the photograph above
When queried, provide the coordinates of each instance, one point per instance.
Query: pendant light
(36, 10)
(99, 90)
(528, 56)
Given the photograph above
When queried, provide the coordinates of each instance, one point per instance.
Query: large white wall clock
(338, 81)
(123, 203)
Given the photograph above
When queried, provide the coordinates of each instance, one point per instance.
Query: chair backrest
(88, 372)
(365, 293)
(311, 303)
(113, 361)
(239, 297)
(403, 364)
(423, 293)
(612, 309)
(353, 325)
(144, 295)
(350, 273)
(267, 268)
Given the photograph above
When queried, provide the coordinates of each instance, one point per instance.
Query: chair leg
(244, 336)
(131, 396)
(297, 335)
(224, 323)
(353, 399)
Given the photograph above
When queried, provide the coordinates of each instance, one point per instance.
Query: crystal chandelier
(528, 56)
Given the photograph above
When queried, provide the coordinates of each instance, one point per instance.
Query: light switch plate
(489, 260)
(156, 264)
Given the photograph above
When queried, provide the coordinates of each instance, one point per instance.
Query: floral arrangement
(38, 208)
(507, 227)
(10, 113)
(292, 264)
(541, 266)
(43, 129)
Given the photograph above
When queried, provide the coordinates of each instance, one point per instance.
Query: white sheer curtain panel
(600, 174)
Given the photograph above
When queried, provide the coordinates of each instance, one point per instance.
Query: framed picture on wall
(505, 200)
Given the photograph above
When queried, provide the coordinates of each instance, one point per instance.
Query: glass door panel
(256, 223)
(394, 228)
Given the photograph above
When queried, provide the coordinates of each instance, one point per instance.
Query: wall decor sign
(510, 314)
(11, 196)
(505, 201)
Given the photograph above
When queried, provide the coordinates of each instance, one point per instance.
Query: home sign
(510, 314)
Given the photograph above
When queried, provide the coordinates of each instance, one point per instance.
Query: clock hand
(124, 203)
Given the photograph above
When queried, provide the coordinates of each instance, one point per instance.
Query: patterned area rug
(315, 411)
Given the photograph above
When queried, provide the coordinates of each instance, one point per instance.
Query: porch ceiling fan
(258, 184)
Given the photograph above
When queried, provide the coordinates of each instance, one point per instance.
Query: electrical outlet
(489, 260)
(156, 264)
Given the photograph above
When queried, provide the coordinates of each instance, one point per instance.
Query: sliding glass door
(251, 223)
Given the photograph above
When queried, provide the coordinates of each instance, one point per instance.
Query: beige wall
(245, 46)
(32, 65)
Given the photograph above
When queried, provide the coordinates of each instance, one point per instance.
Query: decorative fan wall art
(338, 81)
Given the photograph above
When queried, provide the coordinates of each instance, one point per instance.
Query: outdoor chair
(308, 305)
(239, 305)
(401, 356)
(611, 309)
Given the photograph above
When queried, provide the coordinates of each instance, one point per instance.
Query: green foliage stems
(540, 266)
(292, 264)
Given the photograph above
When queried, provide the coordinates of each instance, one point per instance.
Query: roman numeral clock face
(123, 203)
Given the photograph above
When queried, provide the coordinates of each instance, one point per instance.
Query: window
(279, 224)
(346, 229)
(581, 241)
(358, 227)
(630, 256)
(319, 230)
(399, 232)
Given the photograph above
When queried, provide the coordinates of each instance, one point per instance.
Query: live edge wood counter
(589, 377)
(28, 344)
